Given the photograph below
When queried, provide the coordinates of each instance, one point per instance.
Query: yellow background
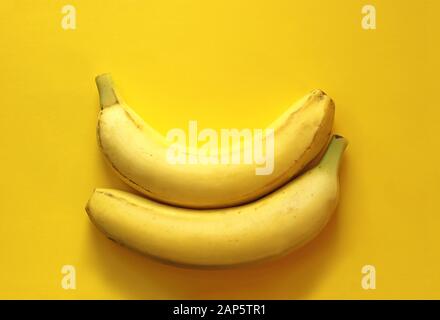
(226, 64)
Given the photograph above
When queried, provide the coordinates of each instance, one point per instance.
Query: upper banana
(268, 227)
(138, 154)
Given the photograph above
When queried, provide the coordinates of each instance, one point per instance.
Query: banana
(138, 154)
(268, 227)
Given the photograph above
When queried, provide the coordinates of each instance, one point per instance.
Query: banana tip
(103, 76)
(319, 92)
(339, 137)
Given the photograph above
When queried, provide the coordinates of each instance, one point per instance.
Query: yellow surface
(226, 64)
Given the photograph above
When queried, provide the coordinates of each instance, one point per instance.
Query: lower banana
(268, 227)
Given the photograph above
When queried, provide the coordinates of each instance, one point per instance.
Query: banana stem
(108, 94)
(333, 155)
